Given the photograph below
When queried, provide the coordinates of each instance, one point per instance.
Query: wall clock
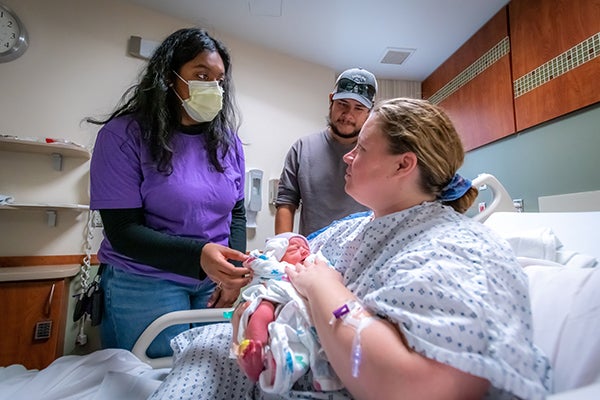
(13, 35)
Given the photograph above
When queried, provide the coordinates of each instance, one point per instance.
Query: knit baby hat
(277, 245)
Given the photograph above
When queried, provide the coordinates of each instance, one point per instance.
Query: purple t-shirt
(194, 201)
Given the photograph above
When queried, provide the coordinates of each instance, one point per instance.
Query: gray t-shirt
(313, 174)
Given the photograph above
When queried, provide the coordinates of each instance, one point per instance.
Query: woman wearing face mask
(167, 175)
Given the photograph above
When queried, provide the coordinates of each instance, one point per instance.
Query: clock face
(13, 37)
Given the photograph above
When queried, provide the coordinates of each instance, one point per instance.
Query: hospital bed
(559, 252)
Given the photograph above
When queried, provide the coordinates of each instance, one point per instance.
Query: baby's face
(296, 251)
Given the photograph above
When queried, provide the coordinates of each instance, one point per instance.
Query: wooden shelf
(45, 206)
(34, 146)
(57, 151)
(38, 272)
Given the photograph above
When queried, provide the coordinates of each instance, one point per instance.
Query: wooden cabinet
(34, 314)
(551, 67)
(480, 98)
(555, 48)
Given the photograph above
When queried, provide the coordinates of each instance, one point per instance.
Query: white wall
(77, 66)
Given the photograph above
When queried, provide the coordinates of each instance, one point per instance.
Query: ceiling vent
(396, 56)
(265, 8)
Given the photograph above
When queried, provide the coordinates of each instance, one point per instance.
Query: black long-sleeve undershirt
(237, 237)
(126, 231)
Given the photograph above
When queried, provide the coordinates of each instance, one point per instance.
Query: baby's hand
(247, 263)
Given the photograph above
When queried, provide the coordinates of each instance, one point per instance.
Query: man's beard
(342, 135)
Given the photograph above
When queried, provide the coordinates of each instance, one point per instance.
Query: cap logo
(359, 78)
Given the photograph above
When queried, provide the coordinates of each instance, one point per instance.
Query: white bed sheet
(109, 374)
(560, 253)
(565, 303)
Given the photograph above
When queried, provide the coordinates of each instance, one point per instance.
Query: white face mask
(205, 101)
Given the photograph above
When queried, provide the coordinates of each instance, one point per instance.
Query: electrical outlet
(96, 220)
(43, 330)
(518, 204)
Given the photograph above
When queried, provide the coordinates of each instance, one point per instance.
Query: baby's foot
(251, 359)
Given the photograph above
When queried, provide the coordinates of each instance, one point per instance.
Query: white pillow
(535, 243)
(565, 303)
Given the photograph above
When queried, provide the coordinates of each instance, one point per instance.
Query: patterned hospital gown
(452, 286)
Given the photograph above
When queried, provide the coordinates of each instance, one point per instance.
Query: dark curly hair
(157, 109)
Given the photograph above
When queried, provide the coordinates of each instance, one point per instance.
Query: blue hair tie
(457, 187)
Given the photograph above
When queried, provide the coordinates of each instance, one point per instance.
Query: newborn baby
(275, 343)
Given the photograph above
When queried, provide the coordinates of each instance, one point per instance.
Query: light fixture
(141, 48)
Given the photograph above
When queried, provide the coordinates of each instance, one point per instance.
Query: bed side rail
(169, 319)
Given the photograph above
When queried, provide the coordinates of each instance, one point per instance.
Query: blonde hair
(417, 126)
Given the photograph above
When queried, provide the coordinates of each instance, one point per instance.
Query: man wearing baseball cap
(313, 173)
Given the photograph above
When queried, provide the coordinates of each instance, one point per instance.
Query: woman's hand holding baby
(311, 273)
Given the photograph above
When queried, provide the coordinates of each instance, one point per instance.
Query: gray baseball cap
(357, 84)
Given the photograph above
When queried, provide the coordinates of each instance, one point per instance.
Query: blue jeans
(132, 302)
